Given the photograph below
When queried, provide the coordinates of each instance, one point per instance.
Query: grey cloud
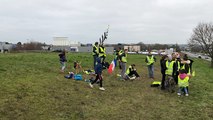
(149, 21)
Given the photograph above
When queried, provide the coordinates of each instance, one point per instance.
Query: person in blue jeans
(183, 82)
(63, 60)
(98, 72)
(150, 60)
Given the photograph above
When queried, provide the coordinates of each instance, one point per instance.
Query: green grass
(32, 88)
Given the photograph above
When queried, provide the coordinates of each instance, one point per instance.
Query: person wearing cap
(150, 60)
(95, 53)
(131, 72)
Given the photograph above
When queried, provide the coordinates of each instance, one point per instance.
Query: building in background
(132, 48)
(60, 43)
(5, 47)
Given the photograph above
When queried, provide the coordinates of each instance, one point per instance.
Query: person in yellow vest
(170, 66)
(123, 61)
(186, 64)
(150, 60)
(131, 72)
(183, 82)
(176, 58)
(95, 53)
(120, 51)
(102, 53)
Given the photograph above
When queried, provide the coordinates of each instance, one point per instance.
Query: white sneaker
(179, 94)
(187, 95)
(101, 88)
(90, 85)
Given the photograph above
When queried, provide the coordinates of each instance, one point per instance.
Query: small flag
(111, 67)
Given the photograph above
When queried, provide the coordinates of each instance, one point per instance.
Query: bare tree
(203, 36)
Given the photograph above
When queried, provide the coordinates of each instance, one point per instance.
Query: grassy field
(31, 88)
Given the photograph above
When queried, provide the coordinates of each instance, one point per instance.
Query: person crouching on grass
(183, 82)
(98, 72)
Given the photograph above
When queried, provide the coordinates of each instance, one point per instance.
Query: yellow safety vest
(184, 82)
(120, 52)
(128, 71)
(150, 60)
(124, 58)
(102, 52)
(96, 49)
(183, 68)
(169, 67)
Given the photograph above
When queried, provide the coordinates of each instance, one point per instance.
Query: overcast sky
(131, 21)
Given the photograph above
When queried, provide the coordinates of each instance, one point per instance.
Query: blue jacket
(98, 66)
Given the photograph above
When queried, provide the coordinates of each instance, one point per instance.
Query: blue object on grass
(78, 77)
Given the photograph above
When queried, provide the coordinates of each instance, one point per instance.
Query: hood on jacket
(182, 76)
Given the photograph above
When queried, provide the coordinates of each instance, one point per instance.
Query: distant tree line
(29, 46)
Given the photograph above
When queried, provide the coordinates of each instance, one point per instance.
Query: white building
(132, 48)
(64, 41)
(5, 47)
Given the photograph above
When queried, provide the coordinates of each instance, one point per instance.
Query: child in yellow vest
(183, 82)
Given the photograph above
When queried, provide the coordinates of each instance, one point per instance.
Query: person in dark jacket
(98, 72)
(163, 70)
(63, 60)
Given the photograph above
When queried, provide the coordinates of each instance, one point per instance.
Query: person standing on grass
(123, 61)
(95, 53)
(183, 82)
(150, 60)
(63, 60)
(98, 72)
(163, 70)
(120, 51)
(102, 53)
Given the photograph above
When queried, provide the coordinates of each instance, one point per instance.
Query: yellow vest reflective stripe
(124, 58)
(184, 82)
(102, 52)
(150, 60)
(169, 67)
(128, 71)
(93, 53)
(120, 52)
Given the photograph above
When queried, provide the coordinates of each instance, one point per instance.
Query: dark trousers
(98, 77)
(94, 60)
(163, 79)
(176, 77)
(102, 59)
(133, 73)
